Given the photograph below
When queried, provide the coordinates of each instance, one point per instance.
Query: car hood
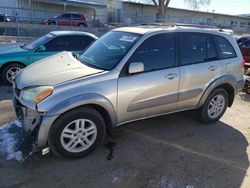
(53, 70)
(10, 48)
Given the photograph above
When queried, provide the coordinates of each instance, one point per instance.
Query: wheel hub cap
(216, 106)
(11, 73)
(78, 135)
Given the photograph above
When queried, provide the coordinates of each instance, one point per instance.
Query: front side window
(76, 16)
(39, 41)
(107, 51)
(156, 52)
(84, 42)
(192, 48)
(225, 49)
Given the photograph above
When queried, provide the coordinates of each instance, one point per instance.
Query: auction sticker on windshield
(128, 38)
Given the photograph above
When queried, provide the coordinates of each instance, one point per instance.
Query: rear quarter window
(225, 48)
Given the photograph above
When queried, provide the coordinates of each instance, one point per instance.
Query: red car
(67, 19)
(245, 50)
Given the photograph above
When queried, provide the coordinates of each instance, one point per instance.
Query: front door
(155, 90)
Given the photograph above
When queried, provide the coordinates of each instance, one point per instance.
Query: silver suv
(130, 73)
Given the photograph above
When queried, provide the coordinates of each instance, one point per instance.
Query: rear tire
(10, 71)
(77, 133)
(248, 90)
(214, 107)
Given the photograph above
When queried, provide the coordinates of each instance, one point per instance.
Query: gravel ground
(171, 151)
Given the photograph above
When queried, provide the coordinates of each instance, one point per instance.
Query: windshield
(106, 52)
(39, 42)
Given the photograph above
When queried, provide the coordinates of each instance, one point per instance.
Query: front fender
(225, 79)
(52, 114)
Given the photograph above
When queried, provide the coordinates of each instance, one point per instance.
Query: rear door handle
(171, 76)
(212, 68)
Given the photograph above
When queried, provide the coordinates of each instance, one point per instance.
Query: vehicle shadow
(169, 151)
(245, 97)
(5, 92)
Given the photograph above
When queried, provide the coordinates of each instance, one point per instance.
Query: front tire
(81, 25)
(214, 107)
(10, 71)
(77, 133)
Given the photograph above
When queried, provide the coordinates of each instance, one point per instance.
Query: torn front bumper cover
(30, 118)
(35, 123)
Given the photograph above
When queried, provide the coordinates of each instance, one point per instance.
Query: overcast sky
(219, 6)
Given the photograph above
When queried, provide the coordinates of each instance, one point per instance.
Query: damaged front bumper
(30, 118)
(35, 123)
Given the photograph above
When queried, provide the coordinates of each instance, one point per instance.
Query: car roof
(145, 29)
(63, 33)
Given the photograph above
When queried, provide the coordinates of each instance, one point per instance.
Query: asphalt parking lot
(172, 151)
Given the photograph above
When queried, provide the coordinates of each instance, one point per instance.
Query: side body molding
(60, 108)
(225, 79)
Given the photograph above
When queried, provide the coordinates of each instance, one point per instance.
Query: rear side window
(64, 16)
(193, 48)
(211, 50)
(225, 49)
(156, 52)
(245, 44)
(76, 16)
(68, 43)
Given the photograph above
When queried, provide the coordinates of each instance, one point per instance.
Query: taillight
(243, 65)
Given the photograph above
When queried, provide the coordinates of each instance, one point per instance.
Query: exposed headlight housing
(36, 94)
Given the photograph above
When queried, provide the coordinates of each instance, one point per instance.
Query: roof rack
(194, 25)
(190, 25)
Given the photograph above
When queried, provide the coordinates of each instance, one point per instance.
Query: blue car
(15, 57)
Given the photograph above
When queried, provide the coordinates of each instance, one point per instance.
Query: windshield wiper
(90, 64)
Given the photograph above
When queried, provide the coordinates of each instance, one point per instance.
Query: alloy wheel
(78, 135)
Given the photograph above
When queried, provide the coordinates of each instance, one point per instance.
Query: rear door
(199, 66)
(154, 91)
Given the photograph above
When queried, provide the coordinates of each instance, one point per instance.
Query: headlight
(37, 94)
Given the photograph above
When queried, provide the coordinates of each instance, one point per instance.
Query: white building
(147, 13)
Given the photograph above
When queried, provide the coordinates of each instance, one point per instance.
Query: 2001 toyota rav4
(128, 74)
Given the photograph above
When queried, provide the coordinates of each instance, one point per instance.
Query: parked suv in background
(245, 50)
(128, 74)
(67, 19)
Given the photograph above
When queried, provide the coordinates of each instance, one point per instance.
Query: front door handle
(212, 68)
(171, 76)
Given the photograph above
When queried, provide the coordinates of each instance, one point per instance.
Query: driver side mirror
(135, 67)
(41, 49)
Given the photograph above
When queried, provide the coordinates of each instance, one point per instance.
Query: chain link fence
(31, 17)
